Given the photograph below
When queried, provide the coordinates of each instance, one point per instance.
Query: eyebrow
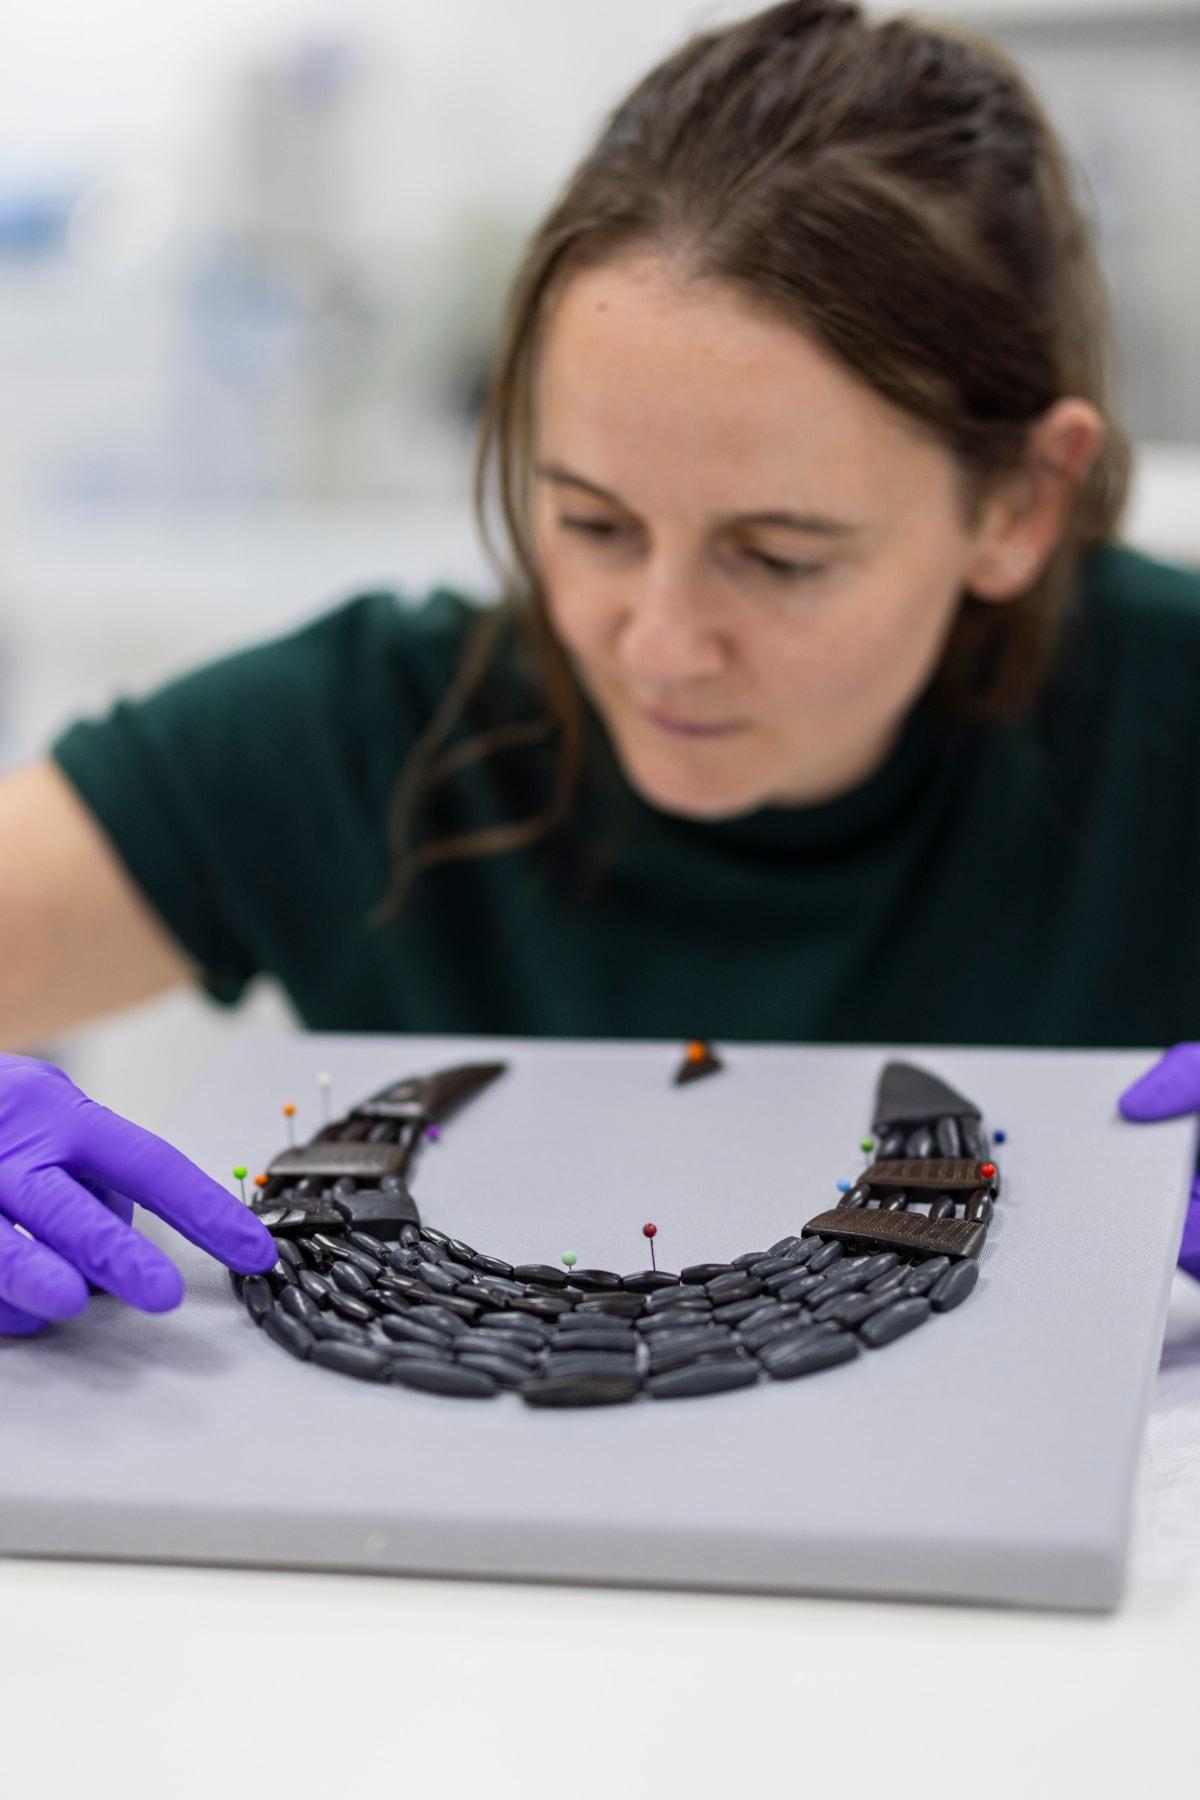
(812, 523)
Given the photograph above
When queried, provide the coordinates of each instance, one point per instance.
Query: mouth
(690, 728)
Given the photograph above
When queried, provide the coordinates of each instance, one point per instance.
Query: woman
(823, 705)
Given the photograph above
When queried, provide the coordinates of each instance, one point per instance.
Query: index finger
(165, 1182)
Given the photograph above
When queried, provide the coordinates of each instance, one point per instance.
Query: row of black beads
(430, 1312)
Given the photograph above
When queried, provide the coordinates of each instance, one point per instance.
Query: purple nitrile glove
(1172, 1087)
(70, 1171)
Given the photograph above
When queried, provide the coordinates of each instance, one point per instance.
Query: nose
(669, 633)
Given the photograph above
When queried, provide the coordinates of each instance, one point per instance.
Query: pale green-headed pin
(569, 1258)
(239, 1175)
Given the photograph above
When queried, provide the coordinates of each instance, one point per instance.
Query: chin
(689, 793)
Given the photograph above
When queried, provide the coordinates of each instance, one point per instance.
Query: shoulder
(1138, 602)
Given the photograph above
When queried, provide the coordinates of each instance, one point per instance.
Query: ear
(1023, 517)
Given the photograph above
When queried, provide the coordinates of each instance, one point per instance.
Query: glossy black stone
(444, 1378)
(893, 1321)
(920, 1144)
(436, 1277)
(923, 1277)
(295, 1302)
(492, 1265)
(315, 1286)
(542, 1273)
(614, 1306)
(649, 1281)
(349, 1279)
(736, 1313)
(703, 1378)
(890, 1147)
(506, 1371)
(580, 1390)
(290, 1253)
(257, 1297)
(596, 1281)
(737, 1285)
(340, 1330)
(349, 1306)
(947, 1136)
(290, 1334)
(369, 1244)
(952, 1288)
(410, 1331)
(586, 1362)
(822, 1259)
(352, 1359)
(670, 1297)
(279, 1276)
(787, 1324)
(620, 1339)
(791, 1246)
(700, 1274)
(799, 1289)
(805, 1354)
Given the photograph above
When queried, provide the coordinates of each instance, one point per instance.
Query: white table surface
(121, 1682)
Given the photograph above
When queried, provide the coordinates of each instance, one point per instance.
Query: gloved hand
(70, 1171)
(1172, 1087)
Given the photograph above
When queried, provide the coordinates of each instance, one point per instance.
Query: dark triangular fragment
(699, 1059)
(909, 1096)
(433, 1097)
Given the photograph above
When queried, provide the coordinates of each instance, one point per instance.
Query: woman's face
(750, 558)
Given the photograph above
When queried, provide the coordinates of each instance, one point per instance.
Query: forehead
(651, 379)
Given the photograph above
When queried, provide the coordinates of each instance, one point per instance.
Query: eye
(590, 525)
(781, 568)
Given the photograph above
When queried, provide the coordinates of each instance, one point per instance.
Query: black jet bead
(315, 1286)
(369, 1244)
(698, 1274)
(791, 1246)
(949, 1140)
(596, 1281)
(613, 1306)
(786, 1324)
(828, 1253)
(340, 1330)
(492, 1265)
(784, 1359)
(541, 1273)
(436, 1277)
(800, 1289)
(920, 1143)
(595, 1340)
(506, 1371)
(923, 1277)
(649, 1281)
(670, 1298)
(884, 1262)
(952, 1288)
(498, 1343)
(588, 1362)
(580, 1390)
(893, 1321)
(581, 1321)
(703, 1378)
(290, 1253)
(409, 1232)
(891, 1147)
(541, 1306)
(349, 1306)
(737, 1312)
(349, 1280)
(680, 1318)
(974, 1140)
(257, 1297)
(443, 1378)
(774, 1265)
(294, 1337)
(409, 1331)
(851, 1309)
(464, 1253)
(515, 1322)
(297, 1303)
(237, 1281)
(672, 1352)
(431, 1235)
(727, 1289)
(352, 1359)
(440, 1318)
(748, 1259)
(279, 1276)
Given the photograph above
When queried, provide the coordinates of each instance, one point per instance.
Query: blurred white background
(252, 258)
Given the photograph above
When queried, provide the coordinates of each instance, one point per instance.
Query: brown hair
(895, 189)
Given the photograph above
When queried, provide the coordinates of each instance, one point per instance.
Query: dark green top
(1032, 884)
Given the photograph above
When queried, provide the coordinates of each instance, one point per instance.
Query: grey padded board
(989, 1456)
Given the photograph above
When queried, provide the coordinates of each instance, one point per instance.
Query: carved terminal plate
(369, 1162)
(900, 1231)
(942, 1175)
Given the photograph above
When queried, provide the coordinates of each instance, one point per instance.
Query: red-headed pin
(988, 1171)
(650, 1232)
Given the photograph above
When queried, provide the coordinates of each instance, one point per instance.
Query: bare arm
(76, 937)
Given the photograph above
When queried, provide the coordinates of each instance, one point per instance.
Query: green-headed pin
(239, 1175)
(867, 1145)
(569, 1259)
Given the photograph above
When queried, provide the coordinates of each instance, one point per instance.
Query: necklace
(362, 1287)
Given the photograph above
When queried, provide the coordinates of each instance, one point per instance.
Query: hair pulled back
(896, 190)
